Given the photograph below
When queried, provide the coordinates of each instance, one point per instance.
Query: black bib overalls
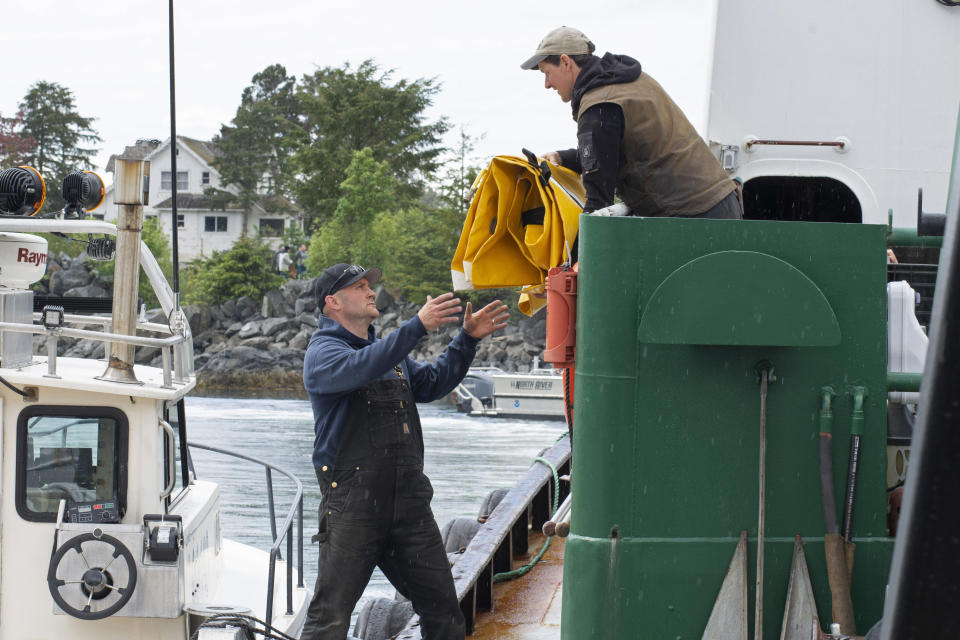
(375, 511)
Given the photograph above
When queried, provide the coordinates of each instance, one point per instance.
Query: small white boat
(108, 531)
(492, 392)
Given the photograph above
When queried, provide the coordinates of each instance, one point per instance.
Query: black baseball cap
(342, 275)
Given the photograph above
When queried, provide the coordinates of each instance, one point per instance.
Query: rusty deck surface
(528, 607)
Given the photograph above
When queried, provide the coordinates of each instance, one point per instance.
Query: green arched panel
(708, 301)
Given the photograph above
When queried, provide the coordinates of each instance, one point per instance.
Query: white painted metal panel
(885, 75)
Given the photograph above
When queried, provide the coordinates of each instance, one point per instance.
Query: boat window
(76, 453)
(175, 417)
(805, 199)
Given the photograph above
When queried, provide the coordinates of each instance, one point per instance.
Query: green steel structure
(676, 320)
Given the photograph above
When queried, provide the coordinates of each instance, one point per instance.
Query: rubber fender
(458, 533)
(382, 618)
(490, 503)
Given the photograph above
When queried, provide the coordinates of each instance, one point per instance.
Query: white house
(205, 223)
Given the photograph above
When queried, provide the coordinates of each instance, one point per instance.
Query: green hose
(516, 573)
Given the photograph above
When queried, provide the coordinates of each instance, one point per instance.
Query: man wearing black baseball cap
(368, 450)
(632, 139)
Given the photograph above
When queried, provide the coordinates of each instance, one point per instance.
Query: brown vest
(666, 168)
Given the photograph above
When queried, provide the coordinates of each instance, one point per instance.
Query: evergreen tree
(264, 133)
(62, 137)
(346, 110)
(246, 269)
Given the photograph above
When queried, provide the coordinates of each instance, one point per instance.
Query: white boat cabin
(106, 531)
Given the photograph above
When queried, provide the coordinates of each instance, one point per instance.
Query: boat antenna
(173, 170)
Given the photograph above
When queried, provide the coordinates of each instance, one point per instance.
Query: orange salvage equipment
(561, 316)
(522, 222)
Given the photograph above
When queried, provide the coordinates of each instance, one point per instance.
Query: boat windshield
(76, 454)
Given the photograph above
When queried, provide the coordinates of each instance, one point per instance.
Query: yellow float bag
(522, 221)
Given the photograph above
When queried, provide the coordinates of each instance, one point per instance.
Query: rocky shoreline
(250, 347)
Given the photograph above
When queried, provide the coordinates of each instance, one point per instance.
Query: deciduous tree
(369, 188)
(14, 148)
(346, 110)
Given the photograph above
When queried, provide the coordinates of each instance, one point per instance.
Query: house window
(77, 453)
(180, 220)
(271, 227)
(205, 177)
(182, 181)
(215, 223)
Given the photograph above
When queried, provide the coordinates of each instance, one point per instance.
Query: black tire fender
(490, 503)
(382, 618)
(458, 533)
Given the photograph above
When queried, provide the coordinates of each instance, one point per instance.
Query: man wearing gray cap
(632, 140)
(368, 450)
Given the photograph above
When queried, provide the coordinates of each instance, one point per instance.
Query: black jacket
(600, 129)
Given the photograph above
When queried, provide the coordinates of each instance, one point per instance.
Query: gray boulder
(384, 300)
(249, 330)
(143, 355)
(304, 305)
(249, 359)
(199, 317)
(270, 326)
(300, 341)
(286, 335)
(259, 342)
(308, 319)
(296, 289)
(274, 304)
(89, 291)
(229, 309)
(66, 279)
(246, 307)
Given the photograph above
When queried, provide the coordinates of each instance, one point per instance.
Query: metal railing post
(289, 534)
(271, 576)
(296, 510)
(273, 515)
(52, 356)
(300, 542)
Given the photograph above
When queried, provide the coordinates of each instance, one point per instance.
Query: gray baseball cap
(562, 40)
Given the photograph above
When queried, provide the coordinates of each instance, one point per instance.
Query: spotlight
(22, 191)
(83, 192)
(101, 249)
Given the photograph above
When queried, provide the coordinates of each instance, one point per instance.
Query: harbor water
(465, 459)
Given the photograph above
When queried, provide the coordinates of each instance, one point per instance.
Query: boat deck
(528, 607)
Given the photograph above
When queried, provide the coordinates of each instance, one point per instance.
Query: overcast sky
(113, 55)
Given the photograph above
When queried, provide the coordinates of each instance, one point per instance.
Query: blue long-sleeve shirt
(337, 363)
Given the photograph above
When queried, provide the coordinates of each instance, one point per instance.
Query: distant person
(284, 262)
(301, 259)
(632, 140)
(276, 258)
(368, 450)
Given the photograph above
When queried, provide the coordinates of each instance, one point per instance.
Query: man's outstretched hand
(436, 312)
(484, 322)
